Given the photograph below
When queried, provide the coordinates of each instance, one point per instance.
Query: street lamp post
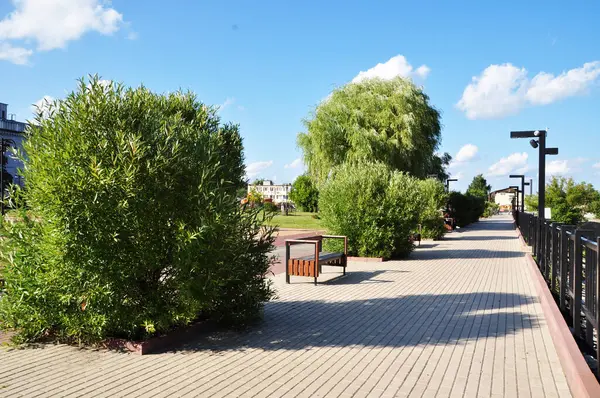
(522, 177)
(515, 187)
(448, 183)
(540, 143)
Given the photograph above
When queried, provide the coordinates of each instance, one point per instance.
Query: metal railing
(568, 259)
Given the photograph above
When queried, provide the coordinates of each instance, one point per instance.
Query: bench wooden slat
(323, 256)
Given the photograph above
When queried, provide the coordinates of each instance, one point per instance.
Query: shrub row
(465, 208)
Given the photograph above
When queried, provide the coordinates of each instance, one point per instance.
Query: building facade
(504, 198)
(269, 190)
(13, 132)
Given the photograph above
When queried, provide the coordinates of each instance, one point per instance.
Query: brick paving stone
(460, 317)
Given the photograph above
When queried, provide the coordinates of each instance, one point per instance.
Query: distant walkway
(460, 318)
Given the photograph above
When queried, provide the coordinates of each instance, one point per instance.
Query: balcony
(12, 125)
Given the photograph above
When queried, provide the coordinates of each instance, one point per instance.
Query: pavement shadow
(484, 238)
(464, 253)
(360, 277)
(380, 322)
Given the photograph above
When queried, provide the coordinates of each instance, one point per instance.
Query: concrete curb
(580, 378)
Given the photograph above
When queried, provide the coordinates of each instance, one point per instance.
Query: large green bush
(137, 225)
(433, 199)
(491, 208)
(375, 207)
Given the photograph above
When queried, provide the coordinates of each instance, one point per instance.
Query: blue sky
(488, 67)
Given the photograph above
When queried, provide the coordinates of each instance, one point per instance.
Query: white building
(504, 198)
(12, 132)
(277, 193)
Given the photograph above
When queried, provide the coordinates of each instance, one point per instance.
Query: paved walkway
(460, 318)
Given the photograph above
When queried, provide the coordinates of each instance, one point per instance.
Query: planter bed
(171, 339)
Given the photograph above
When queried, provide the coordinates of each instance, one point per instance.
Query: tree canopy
(304, 194)
(479, 187)
(568, 200)
(387, 121)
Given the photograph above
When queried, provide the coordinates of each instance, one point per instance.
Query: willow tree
(387, 121)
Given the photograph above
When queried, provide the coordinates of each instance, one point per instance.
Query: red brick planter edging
(366, 259)
(580, 378)
(170, 340)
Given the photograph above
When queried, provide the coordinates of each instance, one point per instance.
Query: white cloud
(466, 153)
(395, 66)
(503, 90)
(509, 164)
(16, 55)
(42, 105)
(497, 92)
(294, 165)
(254, 169)
(566, 166)
(546, 88)
(228, 102)
(557, 168)
(596, 165)
(52, 24)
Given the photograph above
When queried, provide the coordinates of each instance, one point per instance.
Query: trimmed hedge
(466, 209)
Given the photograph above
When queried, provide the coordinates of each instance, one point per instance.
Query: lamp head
(533, 143)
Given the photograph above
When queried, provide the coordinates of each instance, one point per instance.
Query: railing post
(554, 254)
(563, 264)
(598, 300)
(534, 236)
(576, 278)
(589, 283)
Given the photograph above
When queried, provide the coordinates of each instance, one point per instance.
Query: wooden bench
(311, 265)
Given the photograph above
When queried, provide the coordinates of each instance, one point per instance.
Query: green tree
(479, 187)
(137, 228)
(255, 197)
(386, 121)
(258, 181)
(569, 201)
(531, 203)
(304, 194)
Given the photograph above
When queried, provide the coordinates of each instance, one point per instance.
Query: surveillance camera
(533, 143)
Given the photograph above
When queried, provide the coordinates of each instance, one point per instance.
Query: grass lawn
(300, 220)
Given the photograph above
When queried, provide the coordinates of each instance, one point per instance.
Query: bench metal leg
(287, 260)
